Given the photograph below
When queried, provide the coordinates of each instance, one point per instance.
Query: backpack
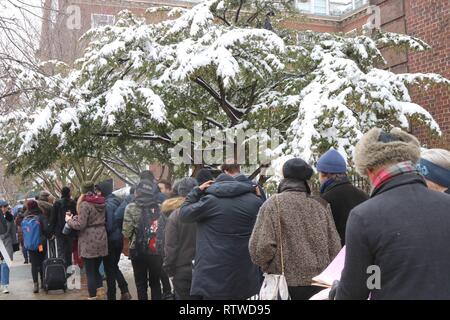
(146, 234)
(31, 229)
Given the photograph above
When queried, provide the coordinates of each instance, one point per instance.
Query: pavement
(21, 283)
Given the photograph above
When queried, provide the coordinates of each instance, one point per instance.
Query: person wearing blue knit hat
(337, 189)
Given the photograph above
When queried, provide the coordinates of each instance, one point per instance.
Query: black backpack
(146, 234)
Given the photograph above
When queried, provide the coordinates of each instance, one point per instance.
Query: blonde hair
(80, 200)
(440, 157)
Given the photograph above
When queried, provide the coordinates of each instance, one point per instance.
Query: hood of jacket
(106, 187)
(229, 189)
(113, 200)
(171, 204)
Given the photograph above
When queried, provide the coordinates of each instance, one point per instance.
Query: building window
(320, 7)
(99, 20)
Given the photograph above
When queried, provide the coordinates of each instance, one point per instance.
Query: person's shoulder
(269, 204)
(131, 207)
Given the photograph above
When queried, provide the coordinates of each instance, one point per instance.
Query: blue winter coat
(113, 227)
(225, 215)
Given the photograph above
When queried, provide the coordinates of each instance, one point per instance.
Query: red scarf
(393, 171)
(93, 198)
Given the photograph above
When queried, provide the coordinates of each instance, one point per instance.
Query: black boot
(36, 287)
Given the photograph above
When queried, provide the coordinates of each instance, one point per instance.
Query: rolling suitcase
(55, 277)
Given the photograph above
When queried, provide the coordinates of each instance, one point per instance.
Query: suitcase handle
(55, 247)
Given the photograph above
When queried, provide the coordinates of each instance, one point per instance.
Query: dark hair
(335, 176)
(232, 168)
(166, 183)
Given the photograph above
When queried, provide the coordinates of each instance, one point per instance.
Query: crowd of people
(214, 237)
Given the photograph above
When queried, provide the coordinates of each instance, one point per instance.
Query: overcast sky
(20, 25)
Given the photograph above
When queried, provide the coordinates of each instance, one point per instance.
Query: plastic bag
(274, 287)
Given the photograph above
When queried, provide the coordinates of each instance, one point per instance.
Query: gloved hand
(333, 290)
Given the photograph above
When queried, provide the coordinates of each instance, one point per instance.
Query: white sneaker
(5, 290)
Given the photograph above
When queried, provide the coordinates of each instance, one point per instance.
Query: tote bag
(275, 286)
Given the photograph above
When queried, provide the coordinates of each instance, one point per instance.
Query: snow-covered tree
(220, 63)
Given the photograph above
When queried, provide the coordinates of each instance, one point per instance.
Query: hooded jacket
(225, 215)
(90, 221)
(112, 203)
(167, 208)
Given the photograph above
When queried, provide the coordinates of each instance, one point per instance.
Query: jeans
(36, 259)
(147, 272)
(65, 247)
(94, 278)
(112, 270)
(4, 274)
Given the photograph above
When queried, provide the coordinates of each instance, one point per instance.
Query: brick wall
(430, 21)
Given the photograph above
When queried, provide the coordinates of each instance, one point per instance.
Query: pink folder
(332, 272)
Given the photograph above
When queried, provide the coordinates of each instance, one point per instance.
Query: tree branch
(117, 174)
(238, 12)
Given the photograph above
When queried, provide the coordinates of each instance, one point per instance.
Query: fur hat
(87, 186)
(378, 148)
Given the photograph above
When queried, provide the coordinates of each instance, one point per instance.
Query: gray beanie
(185, 186)
(378, 148)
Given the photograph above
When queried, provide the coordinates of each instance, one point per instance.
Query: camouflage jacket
(130, 223)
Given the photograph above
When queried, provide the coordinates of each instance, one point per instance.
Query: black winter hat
(297, 169)
(203, 176)
(65, 192)
(106, 187)
(146, 187)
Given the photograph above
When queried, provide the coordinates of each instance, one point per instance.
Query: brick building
(67, 20)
